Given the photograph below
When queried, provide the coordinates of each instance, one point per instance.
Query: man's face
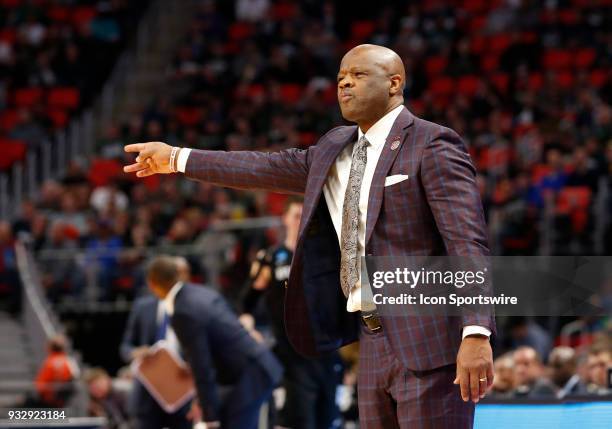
(526, 367)
(598, 365)
(562, 370)
(363, 87)
(291, 219)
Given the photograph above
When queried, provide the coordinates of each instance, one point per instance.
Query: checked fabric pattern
(349, 273)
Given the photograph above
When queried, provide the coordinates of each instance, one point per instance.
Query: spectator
(598, 363)
(58, 371)
(105, 400)
(504, 383)
(529, 375)
(563, 364)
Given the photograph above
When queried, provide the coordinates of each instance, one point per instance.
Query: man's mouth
(344, 97)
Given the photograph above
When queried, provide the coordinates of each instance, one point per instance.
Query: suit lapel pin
(395, 143)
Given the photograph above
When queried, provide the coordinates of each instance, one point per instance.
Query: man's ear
(396, 84)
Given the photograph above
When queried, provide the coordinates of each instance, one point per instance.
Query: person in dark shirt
(310, 384)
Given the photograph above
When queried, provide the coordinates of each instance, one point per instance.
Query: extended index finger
(135, 147)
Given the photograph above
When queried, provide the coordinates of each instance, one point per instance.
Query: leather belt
(371, 321)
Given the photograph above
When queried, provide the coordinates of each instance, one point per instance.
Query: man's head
(57, 344)
(562, 362)
(598, 362)
(527, 366)
(98, 383)
(504, 374)
(371, 82)
(162, 274)
(292, 214)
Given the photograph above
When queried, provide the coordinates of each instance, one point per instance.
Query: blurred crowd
(568, 374)
(528, 84)
(45, 49)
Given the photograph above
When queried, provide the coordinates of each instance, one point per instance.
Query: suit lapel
(331, 150)
(396, 138)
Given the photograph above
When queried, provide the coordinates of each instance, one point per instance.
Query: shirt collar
(170, 297)
(377, 134)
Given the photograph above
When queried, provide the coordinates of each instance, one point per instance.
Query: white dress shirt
(167, 306)
(334, 190)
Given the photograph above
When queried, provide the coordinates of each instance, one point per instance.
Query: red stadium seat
(12, 151)
(255, 90)
(568, 16)
(557, 59)
(489, 63)
(59, 117)
(499, 43)
(477, 24)
(10, 3)
(291, 93)
(59, 13)
(83, 15)
(240, 31)
(598, 78)
(417, 106)
(283, 10)
(565, 80)
(442, 86)
(478, 44)
(361, 30)
(27, 97)
(535, 81)
(8, 35)
(307, 139)
(500, 81)
(475, 7)
(189, 116)
(65, 98)
(102, 171)
(8, 119)
(468, 85)
(435, 65)
(584, 58)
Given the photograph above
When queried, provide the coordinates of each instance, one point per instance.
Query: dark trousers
(310, 386)
(241, 406)
(149, 415)
(391, 396)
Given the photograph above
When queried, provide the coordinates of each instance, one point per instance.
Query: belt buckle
(372, 322)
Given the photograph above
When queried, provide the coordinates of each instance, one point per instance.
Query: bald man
(391, 185)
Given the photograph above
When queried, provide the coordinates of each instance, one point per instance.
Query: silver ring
(482, 379)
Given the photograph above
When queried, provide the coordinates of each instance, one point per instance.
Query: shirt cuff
(475, 330)
(181, 162)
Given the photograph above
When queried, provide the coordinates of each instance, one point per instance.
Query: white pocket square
(396, 178)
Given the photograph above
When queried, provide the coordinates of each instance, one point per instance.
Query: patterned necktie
(162, 328)
(349, 236)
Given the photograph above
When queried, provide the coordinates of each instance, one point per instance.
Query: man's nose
(344, 83)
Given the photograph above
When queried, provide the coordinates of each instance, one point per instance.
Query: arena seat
(8, 119)
(361, 30)
(557, 59)
(435, 65)
(12, 151)
(468, 85)
(65, 98)
(27, 97)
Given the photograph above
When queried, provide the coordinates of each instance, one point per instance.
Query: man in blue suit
(146, 326)
(218, 349)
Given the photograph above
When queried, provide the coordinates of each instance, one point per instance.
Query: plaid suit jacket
(436, 211)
